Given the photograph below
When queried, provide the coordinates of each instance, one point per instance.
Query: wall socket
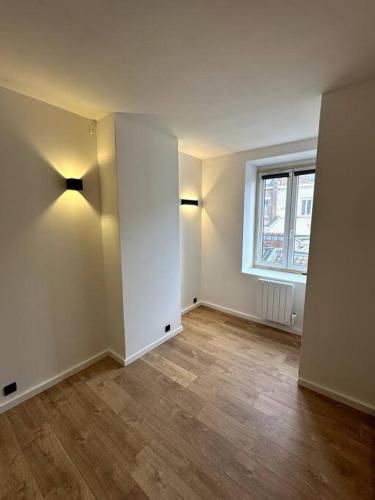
(167, 328)
(8, 389)
(195, 300)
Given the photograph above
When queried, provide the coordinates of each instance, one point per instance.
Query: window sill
(276, 275)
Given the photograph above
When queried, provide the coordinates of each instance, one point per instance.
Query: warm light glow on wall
(70, 167)
(67, 165)
(69, 204)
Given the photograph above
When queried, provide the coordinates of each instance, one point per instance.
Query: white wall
(106, 148)
(338, 349)
(190, 184)
(147, 171)
(51, 273)
(223, 180)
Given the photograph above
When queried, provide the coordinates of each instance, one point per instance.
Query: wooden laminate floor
(213, 413)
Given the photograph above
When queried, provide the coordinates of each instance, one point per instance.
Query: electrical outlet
(8, 389)
(167, 328)
(195, 300)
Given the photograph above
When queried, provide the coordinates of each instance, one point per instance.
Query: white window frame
(290, 218)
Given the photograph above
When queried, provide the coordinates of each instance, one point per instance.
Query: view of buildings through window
(285, 223)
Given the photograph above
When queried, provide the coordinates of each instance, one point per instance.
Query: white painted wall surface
(190, 182)
(106, 148)
(147, 171)
(51, 273)
(223, 283)
(338, 348)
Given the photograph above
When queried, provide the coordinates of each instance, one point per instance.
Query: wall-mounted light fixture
(74, 184)
(184, 201)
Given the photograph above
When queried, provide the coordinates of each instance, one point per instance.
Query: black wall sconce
(184, 201)
(74, 184)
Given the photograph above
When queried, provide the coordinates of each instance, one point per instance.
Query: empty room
(187, 278)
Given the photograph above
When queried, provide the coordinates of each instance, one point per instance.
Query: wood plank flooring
(213, 413)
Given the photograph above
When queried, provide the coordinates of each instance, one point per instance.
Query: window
(306, 206)
(284, 211)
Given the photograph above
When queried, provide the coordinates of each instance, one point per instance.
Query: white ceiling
(227, 75)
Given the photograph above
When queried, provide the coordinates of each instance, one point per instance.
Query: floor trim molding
(251, 317)
(42, 386)
(190, 308)
(116, 356)
(38, 388)
(337, 396)
(152, 346)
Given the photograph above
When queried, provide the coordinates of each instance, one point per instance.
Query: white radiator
(275, 301)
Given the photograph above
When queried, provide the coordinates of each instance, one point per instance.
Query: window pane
(301, 240)
(273, 222)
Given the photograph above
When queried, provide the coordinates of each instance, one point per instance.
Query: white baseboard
(116, 356)
(152, 346)
(190, 308)
(251, 317)
(337, 396)
(36, 389)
